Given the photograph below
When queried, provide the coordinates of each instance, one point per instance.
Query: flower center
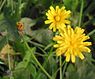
(57, 18)
(73, 44)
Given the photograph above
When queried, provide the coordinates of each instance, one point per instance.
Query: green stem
(81, 11)
(9, 61)
(86, 23)
(36, 44)
(38, 61)
(12, 5)
(93, 60)
(2, 5)
(64, 68)
(60, 68)
(91, 33)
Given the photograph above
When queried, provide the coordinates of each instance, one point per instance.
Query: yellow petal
(68, 57)
(57, 8)
(85, 38)
(87, 43)
(52, 10)
(73, 58)
(49, 12)
(63, 8)
(85, 49)
(69, 30)
(48, 21)
(56, 45)
(59, 52)
(57, 38)
(81, 56)
(67, 14)
(67, 21)
(51, 26)
(62, 27)
(54, 29)
(79, 30)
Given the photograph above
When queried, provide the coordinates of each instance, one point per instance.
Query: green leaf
(50, 64)
(71, 72)
(22, 74)
(89, 9)
(26, 60)
(26, 38)
(71, 68)
(74, 4)
(40, 76)
(24, 68)
(2, 23)
(43, 36)
(2, 42)
(32, 70)
(9, 26)
(28, 23)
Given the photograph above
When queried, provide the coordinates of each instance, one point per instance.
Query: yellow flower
(71, 43)
(57, 17)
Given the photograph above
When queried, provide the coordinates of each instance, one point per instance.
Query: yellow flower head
(71, 43)
(57, 17)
